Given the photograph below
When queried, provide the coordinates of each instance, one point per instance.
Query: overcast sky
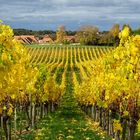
(49, 14)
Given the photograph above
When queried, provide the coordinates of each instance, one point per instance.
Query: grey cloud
(72, 13)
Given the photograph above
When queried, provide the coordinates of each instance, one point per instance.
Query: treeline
(86, 35)
(39, 33)
(91, 35)
(137, 31)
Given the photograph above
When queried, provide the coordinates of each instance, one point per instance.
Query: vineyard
(76, 87)
(79, 59)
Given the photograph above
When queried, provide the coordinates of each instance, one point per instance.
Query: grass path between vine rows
(69, 122)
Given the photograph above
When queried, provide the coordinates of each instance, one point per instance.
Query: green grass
(67, 126)
(59, 73)
(68, 122)
(137, 135)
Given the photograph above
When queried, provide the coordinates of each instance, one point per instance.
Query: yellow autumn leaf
(125, 32)
(4, 108)
(13, 96)
(117, 125)
(10, 111)
(4, 56)
(125, 113)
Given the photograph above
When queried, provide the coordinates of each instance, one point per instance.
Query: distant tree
(136, 31)
(60, 34)
(114, 32)
(40, 34)
(127, 25)
(87, 35)
(53, 36)
(105, 39)
(124, 25)
(71, 32)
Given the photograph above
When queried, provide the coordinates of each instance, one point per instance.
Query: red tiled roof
(46, 39)
(27, 39)
(70, 38)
